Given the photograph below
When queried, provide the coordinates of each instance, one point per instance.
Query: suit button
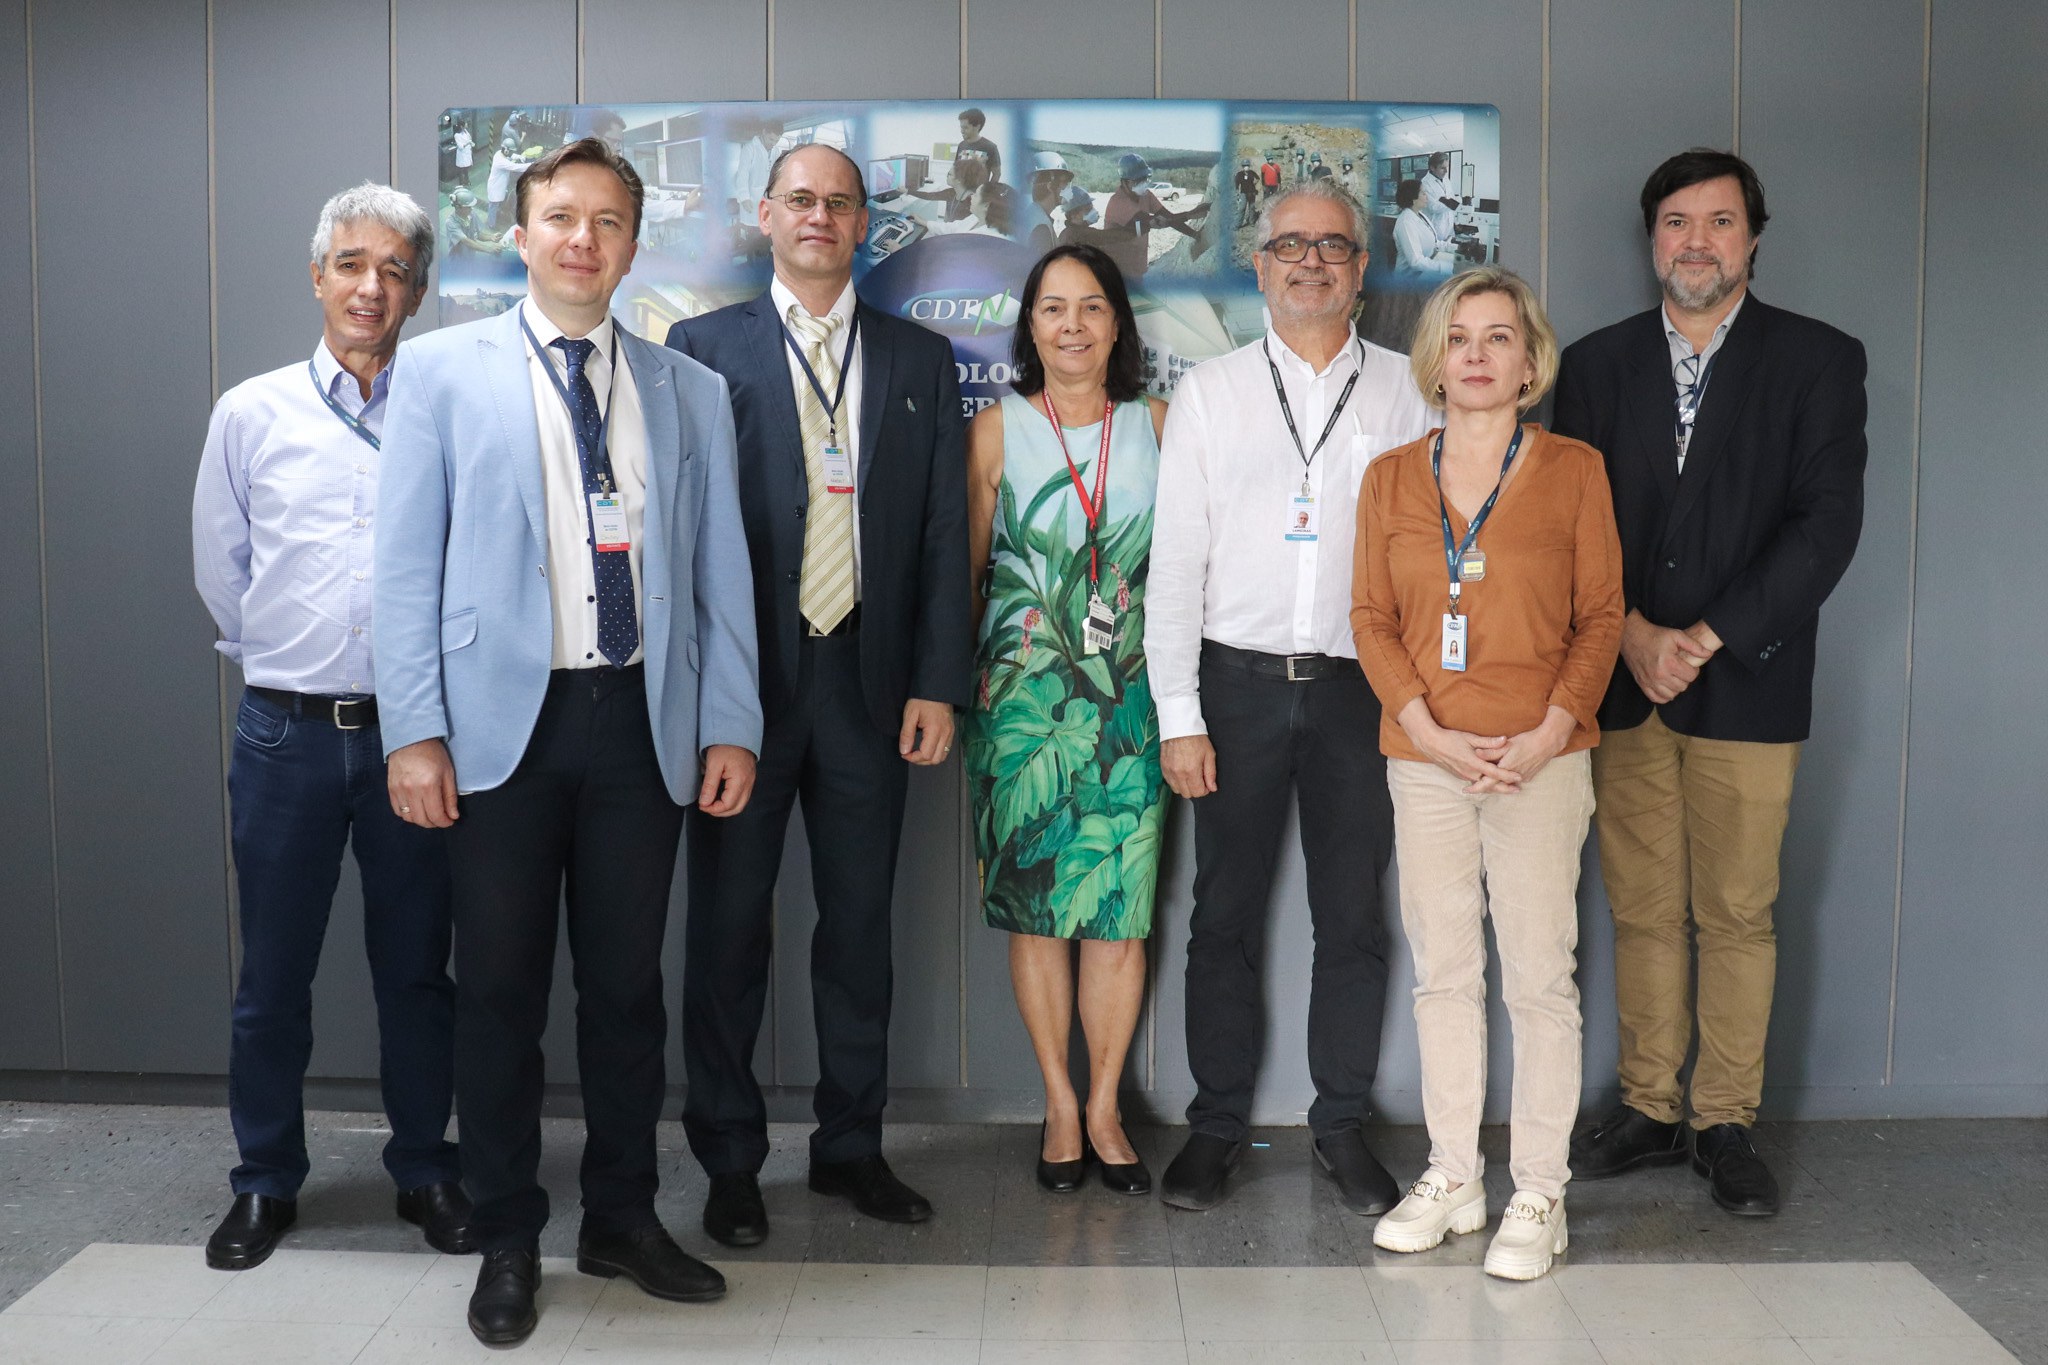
(794, 575)
(1670, 563)
(799, 510)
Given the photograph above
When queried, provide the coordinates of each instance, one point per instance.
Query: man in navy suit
(566, 642)
(853, 491)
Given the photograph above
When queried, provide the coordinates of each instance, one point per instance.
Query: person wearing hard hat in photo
(1317, 169)
(1248, 185)
(1050, 180)
(1347, 179)
(465, 233)
(1134, 213)
(1269, 176)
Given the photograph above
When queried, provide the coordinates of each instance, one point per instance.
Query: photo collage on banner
(962, 199)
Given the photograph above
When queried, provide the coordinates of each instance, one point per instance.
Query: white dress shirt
(1222, 568)
(572, 579)
(1436, 189)
(1415, 248)
(849, 407)
(281, 527)
(1681, 350)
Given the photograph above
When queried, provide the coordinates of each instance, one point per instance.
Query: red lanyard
(1090, 506)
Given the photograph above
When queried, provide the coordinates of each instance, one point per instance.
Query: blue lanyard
(831, 405)
(348, 419)
(1452, 554)
(600, 461)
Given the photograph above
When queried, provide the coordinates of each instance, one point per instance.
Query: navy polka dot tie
(618, 628)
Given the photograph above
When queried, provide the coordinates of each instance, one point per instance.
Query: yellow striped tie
(826, 593)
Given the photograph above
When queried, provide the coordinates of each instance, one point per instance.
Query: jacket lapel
(654, 381)
(502, 351)
(1648, 407)
(874, 392)
(778, 407)
(1728, 392)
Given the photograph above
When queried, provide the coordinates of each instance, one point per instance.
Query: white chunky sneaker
(1532, 1230)
(1431, 1209)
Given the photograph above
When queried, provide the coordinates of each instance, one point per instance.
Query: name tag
(1098, 632)
(1456, 648)
(608, 523)
(838, 470)
(1303, 517)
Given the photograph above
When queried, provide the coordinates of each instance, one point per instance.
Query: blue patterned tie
(618, 629)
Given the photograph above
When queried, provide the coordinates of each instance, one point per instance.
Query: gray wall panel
(657, 51)
(30, 1032)
(1093, 51)
(880, 49)
(1287, 50)
(1974, 935)
(139, 862)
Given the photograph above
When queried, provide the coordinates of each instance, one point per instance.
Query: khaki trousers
(1690, 831)
(1515, 857)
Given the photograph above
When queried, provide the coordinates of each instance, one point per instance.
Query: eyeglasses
(803, 201)
(1329, 250)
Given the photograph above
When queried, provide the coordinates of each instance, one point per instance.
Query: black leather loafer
(873, 1188)
(1622, 1141)
(441, 1211)
(250, 1232)
(1061, 1177)
(650, 1258)
(501, 1307)
(1195, 1179)
(1736, 1175)
(1363, 1185)
(734, 1212)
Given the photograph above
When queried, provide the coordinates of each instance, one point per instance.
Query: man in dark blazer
(1734, 439)
(853, 492)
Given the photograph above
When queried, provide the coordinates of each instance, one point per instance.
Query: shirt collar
(1677, 338)
(784, 299)
(331, 374)
(1346, 358)
(545, 331)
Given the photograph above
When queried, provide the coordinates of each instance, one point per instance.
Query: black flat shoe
(1622, 1141)
(1061, 1177)
(1196, 1178)
(1736, 1175)
(501, 1307)
(250, 1232)
(734, 1212)
(441, 1211)
(873, 1188)
(650, 1258)
(1364, 1186)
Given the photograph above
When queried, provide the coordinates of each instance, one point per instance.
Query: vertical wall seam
(579, 51)
(391, 78)
(1736, 99)
(770, 51)
(35, 324)
(1891, 1018)
(220, 673)
(963, 52)
(1351, 54)
(1158, 49)
(1543, 175)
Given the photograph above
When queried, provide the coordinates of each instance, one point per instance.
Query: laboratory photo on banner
(964, 198)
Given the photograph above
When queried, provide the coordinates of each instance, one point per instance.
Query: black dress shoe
(1363, 1185)
(1622, 1141)
(250, 1232)
(1061, 1177)
(1128, 1177)
(650, 1258)
(733, 1212)
(441, 1211)
(873, 1188)
(1195, 1178)
(1740, 1181)
(501, 1308)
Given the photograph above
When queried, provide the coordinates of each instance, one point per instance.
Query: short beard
(1701, 299)
(1339, 306)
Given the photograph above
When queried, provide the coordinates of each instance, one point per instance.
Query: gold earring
(1439, 395)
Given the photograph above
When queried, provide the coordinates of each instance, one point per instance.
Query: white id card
(1098, 632)
(608, 522)
(1303, 519)
(1456, 648)
(838, 470)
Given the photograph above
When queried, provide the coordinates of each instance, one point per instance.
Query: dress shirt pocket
(261, 725)
(458, 629)
(1365, 446)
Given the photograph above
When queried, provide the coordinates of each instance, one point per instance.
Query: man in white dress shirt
(1439, 197)
(1247, 635)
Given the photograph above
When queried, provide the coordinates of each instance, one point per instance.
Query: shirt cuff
(231, 648)
(1180, 717)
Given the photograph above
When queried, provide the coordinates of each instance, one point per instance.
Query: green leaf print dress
(1062, 746)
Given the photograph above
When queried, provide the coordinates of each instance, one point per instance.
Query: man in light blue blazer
(565, 636)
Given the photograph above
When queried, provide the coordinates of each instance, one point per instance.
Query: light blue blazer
(464, 626)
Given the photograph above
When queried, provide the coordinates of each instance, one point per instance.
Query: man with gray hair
(1261, 699)
(282, 521)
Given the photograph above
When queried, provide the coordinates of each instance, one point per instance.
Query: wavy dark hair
(1126, 378)
(1696, 167)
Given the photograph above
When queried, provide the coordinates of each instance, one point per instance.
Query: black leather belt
(1285, 667)
(339, 712)
(849, 625)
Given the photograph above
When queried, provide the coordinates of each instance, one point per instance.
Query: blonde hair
(1433, 332)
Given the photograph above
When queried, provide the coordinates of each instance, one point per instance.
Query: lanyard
(1452, 554)
(1688, 400)
(831, 405)
(1091, 507)
(1286, 411)
(600, 460)
(348, 419)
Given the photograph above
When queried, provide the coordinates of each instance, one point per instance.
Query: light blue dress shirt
(282, 520)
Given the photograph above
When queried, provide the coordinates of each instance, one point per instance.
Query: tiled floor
(1900, 1242)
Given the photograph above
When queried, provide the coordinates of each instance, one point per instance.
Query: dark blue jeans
(302, 790)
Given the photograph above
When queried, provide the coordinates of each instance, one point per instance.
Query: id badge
(608, 522)
(1098, 632)
(1472, 565)
(1303, 517)
(838, 470)
(1456, 648)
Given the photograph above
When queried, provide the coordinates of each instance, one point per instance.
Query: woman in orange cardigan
(1487, 606)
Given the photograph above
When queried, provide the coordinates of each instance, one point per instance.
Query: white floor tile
(1971, 1350)
(211, 1342)
(757, 1295)
(415, 1343)
(1299, 1304)
(615, 1349)
(108, 1279)
(1082, 1303)
(1694, 1351)
(1458, 1303)
(1094, 1353)
(441, 1298)
(1504, 1353)
(1681, 1302)
(876, 1351)
(321, 1286)
(27, 1340)
(1859, 1300)
(1290, 1353)
(887, 1301)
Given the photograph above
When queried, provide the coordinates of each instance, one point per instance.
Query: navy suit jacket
(915, 634)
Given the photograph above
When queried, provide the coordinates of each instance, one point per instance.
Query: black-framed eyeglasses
(1329, 250)
(803, 201)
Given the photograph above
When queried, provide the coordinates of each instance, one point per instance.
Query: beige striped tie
(826, 594)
